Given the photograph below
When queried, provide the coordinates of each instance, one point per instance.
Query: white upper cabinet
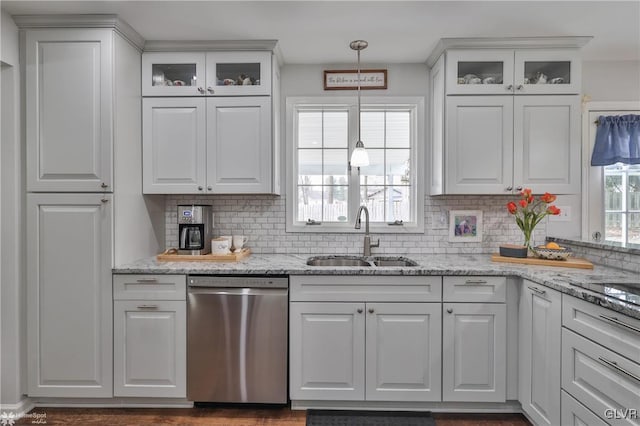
(69, 129)
(206, 73)
(173, 74)
(238, 73)
(520, 71)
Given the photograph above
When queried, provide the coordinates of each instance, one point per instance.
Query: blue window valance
(617, 140)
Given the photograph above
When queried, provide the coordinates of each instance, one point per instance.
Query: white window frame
(593, 177)
(417, 166)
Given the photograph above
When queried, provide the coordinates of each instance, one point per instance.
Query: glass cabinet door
(238, 73)
(544, 71)
(480, 71)
(173, 74)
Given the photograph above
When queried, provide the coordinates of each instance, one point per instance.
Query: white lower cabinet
(149, 336)
(576, 414)
(69, 326)
(539, 353)
(474, 352)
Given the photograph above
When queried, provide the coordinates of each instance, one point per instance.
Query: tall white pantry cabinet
(84, 199)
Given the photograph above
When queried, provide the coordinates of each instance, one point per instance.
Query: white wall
(12, 312)
(611, 80)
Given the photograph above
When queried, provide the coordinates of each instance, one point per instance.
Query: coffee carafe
(195, 225)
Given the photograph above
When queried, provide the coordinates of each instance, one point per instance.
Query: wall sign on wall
(348, 79)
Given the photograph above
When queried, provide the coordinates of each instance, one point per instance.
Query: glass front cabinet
(206, 74)
(508, 71)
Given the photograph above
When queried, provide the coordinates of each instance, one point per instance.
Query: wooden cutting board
(171, 255)
(571, 262)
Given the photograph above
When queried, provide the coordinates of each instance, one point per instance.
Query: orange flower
(523, 203)
(511, 206)
(526, 193)
(553, 210)
(548, 198)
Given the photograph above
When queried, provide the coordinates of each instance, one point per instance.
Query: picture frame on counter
(348, 79)
(465, 226)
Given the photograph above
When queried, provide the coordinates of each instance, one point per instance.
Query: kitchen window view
(622, 203)
(327, 192)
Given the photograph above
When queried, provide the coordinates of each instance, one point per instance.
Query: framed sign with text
(348, 79)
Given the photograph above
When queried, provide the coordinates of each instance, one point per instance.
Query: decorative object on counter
(239, 241)
(514, 250)
(220, 246)
(559, 253)
(571, 262)
(465, 226)
(529, 211)
(171, 255)
(359, 156)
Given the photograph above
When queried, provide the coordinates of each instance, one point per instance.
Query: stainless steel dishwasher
(237, 339)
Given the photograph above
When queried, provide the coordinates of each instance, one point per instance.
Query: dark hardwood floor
(225, 417)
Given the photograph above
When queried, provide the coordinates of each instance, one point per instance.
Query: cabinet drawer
(389, 288)
(576, 414)
(602, 380)
(615, 331)
(474, 289)
(149, 287)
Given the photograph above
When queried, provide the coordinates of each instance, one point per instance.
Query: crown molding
(506, 43)
(213, 45)
(81, 21)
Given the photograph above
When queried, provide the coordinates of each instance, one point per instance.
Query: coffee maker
(195, 228)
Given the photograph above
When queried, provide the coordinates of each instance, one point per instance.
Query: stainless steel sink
(337, 261)
(393, 261)
(360, 261)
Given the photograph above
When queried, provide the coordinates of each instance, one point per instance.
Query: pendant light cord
(359, 114)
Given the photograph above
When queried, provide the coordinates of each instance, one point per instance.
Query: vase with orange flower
(529, 211)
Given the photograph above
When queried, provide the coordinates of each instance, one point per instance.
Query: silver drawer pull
(147, 280)
(147, 306)
(537, 290)
(615, 366)
(475, 282)
(618, 322)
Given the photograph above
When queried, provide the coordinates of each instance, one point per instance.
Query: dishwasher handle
(237, 291)
(237, 281)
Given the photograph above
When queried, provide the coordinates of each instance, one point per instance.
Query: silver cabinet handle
(618, 322)
(147, 280)
(475, 282)
(201, 90)
(147, 306)
(104, 185)
(209, 188)
(615, 366)
(537, 290)
(519, 87)
(509, 87)
(371, 310)
(200, 188)
(509, 188)
(104, 200)
(449, 311)
(518, 188)
(210, 90)
(359, 310)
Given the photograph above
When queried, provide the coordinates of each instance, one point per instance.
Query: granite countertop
(558, 278)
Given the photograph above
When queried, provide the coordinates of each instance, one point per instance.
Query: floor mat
(368, 418)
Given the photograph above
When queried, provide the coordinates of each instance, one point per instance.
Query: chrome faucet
(367, 239)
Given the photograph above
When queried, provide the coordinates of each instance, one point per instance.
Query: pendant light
(359, 156)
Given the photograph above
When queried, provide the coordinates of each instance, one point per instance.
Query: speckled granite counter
(557, 278)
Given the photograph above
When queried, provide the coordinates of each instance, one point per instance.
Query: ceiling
(319, 32)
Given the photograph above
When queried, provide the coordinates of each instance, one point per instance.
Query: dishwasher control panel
(237, 281)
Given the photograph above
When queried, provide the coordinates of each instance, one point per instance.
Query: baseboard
(436, 407)
(113, 402)
(20, 408)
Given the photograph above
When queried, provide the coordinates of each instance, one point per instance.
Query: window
(322, 134)
(622, 203)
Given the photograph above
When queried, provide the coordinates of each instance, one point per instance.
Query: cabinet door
(576, 414)
(480, 71)
(173, 74)
(547, 143)
(403, 350)
(474, 352)
(545, 71)
(239, 145)
(326, 351)
(150, 348)
(479, 148)
(238, 73)
(69, 326)
(539, 353)
(174, 145)
(69, 128)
